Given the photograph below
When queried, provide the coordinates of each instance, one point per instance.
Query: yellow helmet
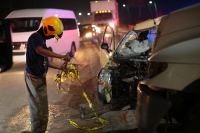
(53, 26)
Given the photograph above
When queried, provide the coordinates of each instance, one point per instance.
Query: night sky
(163, 7)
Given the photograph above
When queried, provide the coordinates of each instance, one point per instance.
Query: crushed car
(125, 63)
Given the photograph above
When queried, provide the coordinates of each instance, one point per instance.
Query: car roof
(40, 12)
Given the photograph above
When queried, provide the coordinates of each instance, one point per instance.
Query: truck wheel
(191, 121)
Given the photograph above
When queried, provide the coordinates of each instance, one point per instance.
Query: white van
(24, 22)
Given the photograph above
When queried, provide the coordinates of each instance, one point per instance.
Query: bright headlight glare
(110, 54)
(88, 34)
(22, 46)
(107, 35)
(112, 25)
(98, 30)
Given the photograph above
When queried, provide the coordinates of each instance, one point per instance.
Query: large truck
(105, 12)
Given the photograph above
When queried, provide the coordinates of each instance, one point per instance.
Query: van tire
(73, 49)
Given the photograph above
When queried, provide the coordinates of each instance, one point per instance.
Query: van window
(69, 24)
(25, 24)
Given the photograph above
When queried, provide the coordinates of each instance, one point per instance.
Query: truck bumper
(150, 109)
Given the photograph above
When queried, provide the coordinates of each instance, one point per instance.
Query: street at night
(104, 66)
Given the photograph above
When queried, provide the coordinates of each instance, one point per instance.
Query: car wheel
(73, 49)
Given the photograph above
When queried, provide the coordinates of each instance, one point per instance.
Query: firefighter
(36, 68)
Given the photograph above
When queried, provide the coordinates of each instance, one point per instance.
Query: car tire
(73, 50)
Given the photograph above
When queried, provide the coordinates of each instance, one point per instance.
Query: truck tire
(191, 120)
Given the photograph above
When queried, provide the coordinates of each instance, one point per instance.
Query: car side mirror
(105, 47)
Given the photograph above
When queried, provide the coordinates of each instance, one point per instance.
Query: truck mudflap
(150, 109)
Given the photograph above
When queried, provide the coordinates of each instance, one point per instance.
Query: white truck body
(104, 13)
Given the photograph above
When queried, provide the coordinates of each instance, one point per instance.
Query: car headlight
(88, 34)
(98, 30)
(105, 76)
(112, 25)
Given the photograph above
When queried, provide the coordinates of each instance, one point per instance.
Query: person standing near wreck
(36, 68)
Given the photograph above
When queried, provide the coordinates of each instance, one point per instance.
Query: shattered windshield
(135, 43)
(25, 24)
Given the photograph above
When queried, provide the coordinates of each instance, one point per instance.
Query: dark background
(147, 11)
